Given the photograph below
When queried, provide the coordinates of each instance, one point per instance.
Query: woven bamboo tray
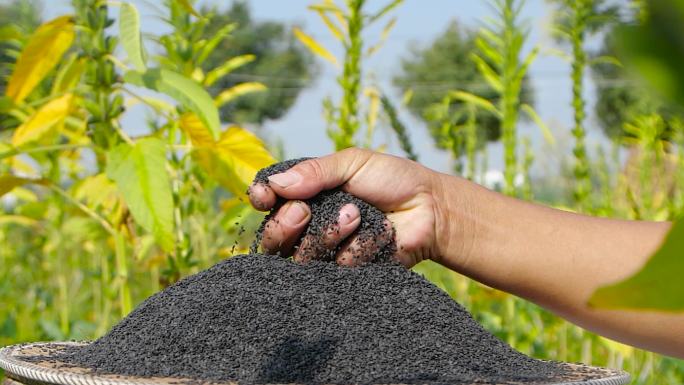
(23, 366)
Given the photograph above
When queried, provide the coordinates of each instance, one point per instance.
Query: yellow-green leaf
(332, 27)
(235, 159)
(131, 40)
(657, 286)
(184, 90)
(227, 67)
(487, 72)
(140, 175)
(8, 182)
(195, 130)
(41, 54)
(42, 121)
(238, 90)
(314, 46)
(475, 100)
(188, 7)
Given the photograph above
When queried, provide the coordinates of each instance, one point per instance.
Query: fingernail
(285, 179)
(348, 214)
(295, 213)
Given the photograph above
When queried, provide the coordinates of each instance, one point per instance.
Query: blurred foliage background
(95, 218)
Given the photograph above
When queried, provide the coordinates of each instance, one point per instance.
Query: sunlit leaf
(227, 67)
(475, 100)
(657, 286)
(332, 27)
(235, 159)
(314, 46)
(41, 54)
(212, 43)
(237, 91)
(185, 91)
(17, 220)
(487, 72)
(42, 121)
(140, 175)
(131, 40)
(197, 132)
(383, 36)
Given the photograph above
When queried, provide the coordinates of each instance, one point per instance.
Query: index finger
(261, 196)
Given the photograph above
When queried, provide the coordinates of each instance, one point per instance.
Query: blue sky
(302, 130)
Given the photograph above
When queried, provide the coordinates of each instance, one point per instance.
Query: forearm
(556, 259)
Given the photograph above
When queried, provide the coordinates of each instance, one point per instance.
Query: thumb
(312, 176)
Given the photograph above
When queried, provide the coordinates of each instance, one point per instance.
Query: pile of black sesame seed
(266, 319)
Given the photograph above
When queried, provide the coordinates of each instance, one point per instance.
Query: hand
(408, 193)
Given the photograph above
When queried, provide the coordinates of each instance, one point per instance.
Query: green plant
(347, 25)
(144, 212)
(575, 21)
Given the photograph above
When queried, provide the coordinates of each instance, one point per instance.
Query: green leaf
(385, 10)
(140, 175)
(475, 100)
(546, 131)
(185, 91)
(487, 72)
(659, 284)
(211, 45)
(656, 48)
(129, 30)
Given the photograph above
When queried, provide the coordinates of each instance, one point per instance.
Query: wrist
(455, 227)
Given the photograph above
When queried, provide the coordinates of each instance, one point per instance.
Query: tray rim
(30, 373)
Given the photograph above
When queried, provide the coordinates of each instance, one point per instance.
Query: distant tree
(443, 66)
(620, 98)
(281, 64)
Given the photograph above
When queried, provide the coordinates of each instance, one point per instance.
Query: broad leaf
(238, 90)
(657, 286)
(196, 130)
(314, 46)
(41, 54)
(185, 91)
(235, 159)
(131, 40)
(140, 175)
(43, 121)
(656, 47)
